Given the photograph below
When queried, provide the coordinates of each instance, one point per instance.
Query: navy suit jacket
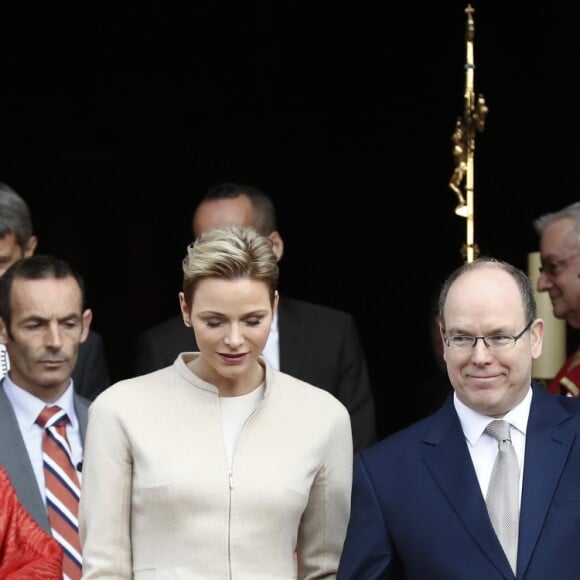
(14, 456)
(319, 345)
(418, 512)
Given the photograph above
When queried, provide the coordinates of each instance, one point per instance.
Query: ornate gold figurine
(463, 138)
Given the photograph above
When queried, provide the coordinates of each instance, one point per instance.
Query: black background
(115, 120)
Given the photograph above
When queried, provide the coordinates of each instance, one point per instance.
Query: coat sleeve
(105, 504)
(367, 550)
(323, 525)
(26, 550)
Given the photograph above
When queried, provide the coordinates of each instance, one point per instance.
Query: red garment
(567, 381)
(26, 551)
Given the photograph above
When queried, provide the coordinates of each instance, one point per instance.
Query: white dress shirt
(483, 447)
(271, 351)
(27, 407)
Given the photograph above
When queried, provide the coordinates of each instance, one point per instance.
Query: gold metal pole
(469, 109)
(473, 120)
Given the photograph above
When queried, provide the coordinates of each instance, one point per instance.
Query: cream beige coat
(158, 501)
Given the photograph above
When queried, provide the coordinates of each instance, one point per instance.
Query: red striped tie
(62, 488)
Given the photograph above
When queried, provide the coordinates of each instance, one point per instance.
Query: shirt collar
(474, 423)
(27, 407)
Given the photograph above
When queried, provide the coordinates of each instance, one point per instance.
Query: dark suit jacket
(418, 512)
(91, 373)
(14, 457)
(319, 345)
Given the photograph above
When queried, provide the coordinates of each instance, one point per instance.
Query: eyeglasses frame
(515, 338)
(550, 267)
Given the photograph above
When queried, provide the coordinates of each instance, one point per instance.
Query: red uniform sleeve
(567, 381)
(26, 550)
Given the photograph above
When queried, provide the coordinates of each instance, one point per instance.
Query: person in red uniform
(559, 233)
(26, 550)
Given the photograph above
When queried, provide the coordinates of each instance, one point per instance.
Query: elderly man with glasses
(560, 276)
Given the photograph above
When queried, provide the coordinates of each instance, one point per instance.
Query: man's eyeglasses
(550, 267)
(493, 342)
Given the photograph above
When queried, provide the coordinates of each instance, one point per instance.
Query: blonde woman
(219, 466)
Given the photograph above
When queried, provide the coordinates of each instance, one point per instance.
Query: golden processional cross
(463, 138)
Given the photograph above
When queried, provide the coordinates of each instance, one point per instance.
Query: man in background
(559, 233)
(317, 344)
(43, 322)
(17, 240)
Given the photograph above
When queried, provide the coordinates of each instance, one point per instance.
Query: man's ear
(3, 332)
(537, 338)
(30, 246)
(278, 244)
(87, 319)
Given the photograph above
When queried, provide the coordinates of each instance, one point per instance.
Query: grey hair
(14, 215)
(571, 212)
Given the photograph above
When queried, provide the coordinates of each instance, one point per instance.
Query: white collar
(474, 423)
(27, 407)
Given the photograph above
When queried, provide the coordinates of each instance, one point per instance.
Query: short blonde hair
(230, 252)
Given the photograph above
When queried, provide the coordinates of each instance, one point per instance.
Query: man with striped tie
(43, 321)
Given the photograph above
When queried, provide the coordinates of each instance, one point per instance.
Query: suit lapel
(548, 446)
(81, 409)
(448, 460)
(14, 457)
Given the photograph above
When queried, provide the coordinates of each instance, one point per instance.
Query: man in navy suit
(418, 501)
(314, 343)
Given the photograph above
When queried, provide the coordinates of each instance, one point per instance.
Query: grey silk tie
(503, 493)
